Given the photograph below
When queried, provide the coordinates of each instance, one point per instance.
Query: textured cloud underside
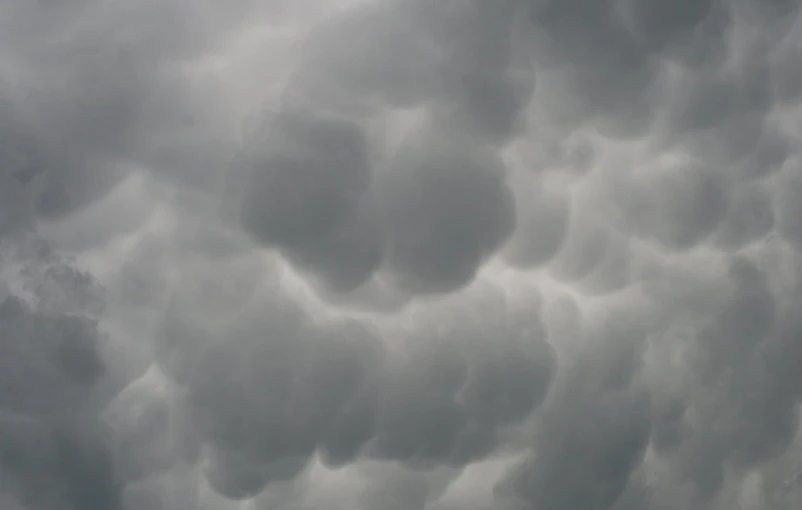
(401, 254)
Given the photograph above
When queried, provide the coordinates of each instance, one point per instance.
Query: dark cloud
(306, 175)
(309, 187)
(594, 431)
(306, 185)
(447, 208)
(516, 254)
(52, 448)
(455, 64)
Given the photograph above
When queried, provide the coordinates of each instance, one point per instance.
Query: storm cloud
(412, 254)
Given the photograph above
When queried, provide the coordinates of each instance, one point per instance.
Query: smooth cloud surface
(404, 254)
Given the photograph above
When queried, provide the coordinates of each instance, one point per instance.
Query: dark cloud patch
(457, 64)
(447, 208)
(53, 451)
(305, 189)
(306, 175)
(437, 210)
(593, 431)
(658, 26)
(344, 257)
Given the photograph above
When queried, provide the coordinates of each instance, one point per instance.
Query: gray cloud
(306, 185)
(430, 192)
(594, 430)
(52, 448)
(456, 65)
(333, 389)
(520, 254)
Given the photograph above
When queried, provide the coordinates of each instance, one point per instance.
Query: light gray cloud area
(412, 254)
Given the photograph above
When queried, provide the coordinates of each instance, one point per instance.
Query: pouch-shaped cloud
(447, 208)
(439, 394)
(516, 254)
(306, 175)
(304, 186)
(311, 188)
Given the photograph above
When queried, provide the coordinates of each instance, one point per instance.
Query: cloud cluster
(508, 254)
(274, 388)
(343, 202)
(52, 448)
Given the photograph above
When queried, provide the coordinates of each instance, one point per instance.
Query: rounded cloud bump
(412, 254)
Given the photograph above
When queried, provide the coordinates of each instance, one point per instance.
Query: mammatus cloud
(519, 254)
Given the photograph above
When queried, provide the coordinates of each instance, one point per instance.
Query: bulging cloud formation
(311, 172)
(509, 254)
(438, 393)
(53, 449)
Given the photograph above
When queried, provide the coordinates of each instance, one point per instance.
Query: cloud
(431, 194)
(332, 389)
(305, 188)
(350, 200)
(519, 254)
(53, 452)
(543, 215)
(594, 432)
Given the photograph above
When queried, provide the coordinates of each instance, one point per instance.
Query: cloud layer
(519, 254)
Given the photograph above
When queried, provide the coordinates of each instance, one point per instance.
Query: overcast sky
(400, 254)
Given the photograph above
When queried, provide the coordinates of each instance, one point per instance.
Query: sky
(400, 255)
